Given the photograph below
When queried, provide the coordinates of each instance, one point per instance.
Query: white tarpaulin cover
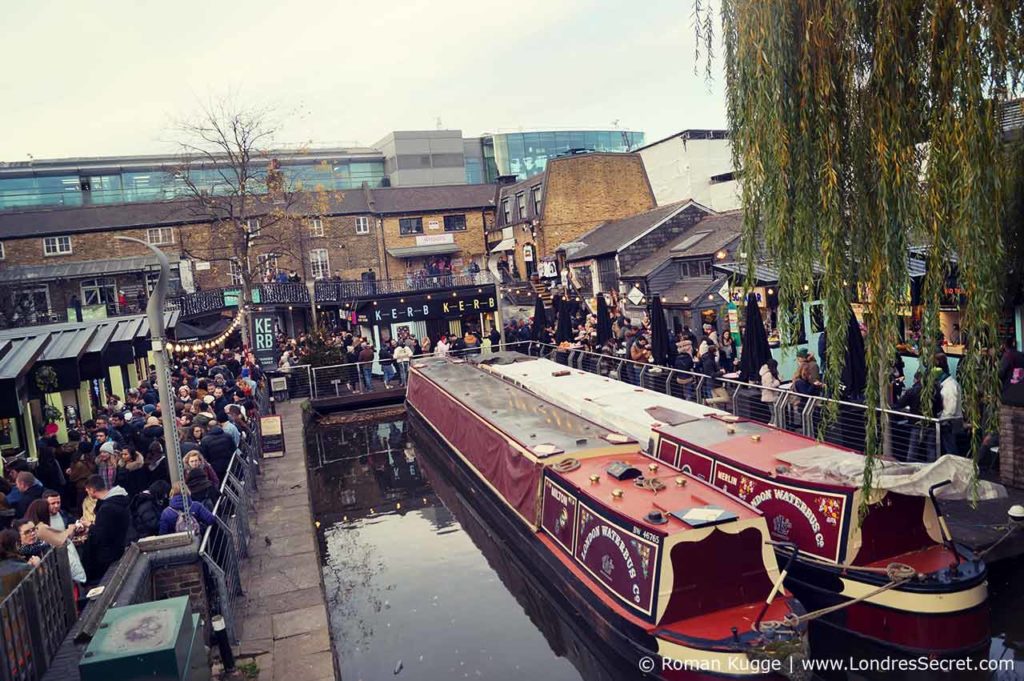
(617, 406)
(624, 408)
(825, 464)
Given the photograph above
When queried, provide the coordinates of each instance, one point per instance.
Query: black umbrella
(604, 321)
(756, 351)
(659, 333)
(563, 332)
(556, 308)
(540, 319)
(855, 370)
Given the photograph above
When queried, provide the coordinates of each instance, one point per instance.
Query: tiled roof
(723, 230)
(386, 200)
(609, 237)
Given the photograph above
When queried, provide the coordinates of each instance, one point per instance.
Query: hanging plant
(47, 382)
(863, 128)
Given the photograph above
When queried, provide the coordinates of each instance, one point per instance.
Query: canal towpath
(284, 628)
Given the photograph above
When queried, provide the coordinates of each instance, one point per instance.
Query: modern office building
(526, 153)
(74, 182)
(693, 164)
(401, 159)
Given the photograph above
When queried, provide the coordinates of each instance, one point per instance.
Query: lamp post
(155, 313)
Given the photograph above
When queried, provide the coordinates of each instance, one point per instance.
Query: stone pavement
(284, 617)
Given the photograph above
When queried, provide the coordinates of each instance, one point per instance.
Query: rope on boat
(898, 576)
(653, 484)
(892, 570)
(567, 465)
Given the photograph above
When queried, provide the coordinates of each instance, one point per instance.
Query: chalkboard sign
(272, 437)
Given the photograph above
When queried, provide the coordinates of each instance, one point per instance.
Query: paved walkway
(284, 617)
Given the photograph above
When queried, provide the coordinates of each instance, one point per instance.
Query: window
(362, 225)
(320, 265)
(160, 235)
(410, 226)
(455, 223)
(3, 253)
(56, 245)
(538, 194)
(506, 210)
(266, 264)
(235, 270)
(99, 291)
(317, 228)
(521, 205)
(252, 225)
(29, 302)
(695, 268)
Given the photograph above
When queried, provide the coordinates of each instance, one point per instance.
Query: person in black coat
(146, 508)
(109, 532)
(217, 447)
(30, 490)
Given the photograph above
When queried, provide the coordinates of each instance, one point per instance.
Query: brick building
(59, 257)
(572, 196)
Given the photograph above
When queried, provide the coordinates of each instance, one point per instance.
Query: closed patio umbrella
(563, 332)
(756, 351)
(604, 321)
(540, 319)
(855, 370)
(659, 333)
(556, 309)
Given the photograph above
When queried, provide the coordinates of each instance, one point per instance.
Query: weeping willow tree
(863, 127)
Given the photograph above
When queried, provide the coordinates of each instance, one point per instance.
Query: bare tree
(233, 183)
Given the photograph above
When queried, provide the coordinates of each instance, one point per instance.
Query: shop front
(431, 315)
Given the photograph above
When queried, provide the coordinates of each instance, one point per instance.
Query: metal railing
(325, 291)
(910, 436)
(335, 380)
(35, 617)
(346, 291)
(225, 543)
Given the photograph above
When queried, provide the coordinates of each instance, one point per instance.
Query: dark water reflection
(407, 587)
(418, 586)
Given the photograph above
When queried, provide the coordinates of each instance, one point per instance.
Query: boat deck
(747, 442)
(539, 426)
(636, 502)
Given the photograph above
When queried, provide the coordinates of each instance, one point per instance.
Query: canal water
(418, 587)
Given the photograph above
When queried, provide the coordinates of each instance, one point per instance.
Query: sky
(90, 79)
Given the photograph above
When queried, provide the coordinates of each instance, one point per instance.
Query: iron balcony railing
(325, 291)
(346, 291)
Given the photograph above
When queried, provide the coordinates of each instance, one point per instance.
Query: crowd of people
(109, 484)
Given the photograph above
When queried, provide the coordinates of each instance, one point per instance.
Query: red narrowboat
(914, 591)
(671, 573)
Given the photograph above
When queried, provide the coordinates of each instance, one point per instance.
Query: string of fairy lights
(211, 344)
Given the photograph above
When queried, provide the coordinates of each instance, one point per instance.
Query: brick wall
(581, 192)
(1011, 445)
(470, 241)
(183, 580)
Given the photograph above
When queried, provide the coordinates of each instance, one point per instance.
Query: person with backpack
(146, 508)
(173, 518)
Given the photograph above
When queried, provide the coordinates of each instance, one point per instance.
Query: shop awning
(89, 268)
(421, 251)
(505, 245)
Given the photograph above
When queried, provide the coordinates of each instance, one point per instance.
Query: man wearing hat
(804, 357)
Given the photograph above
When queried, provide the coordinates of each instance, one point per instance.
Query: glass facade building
(162, 182)
(527, 153)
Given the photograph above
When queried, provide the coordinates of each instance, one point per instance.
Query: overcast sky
(87, 79)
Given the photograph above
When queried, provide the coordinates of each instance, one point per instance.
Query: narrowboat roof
(541, 427)
(636, 502)
(610, 403)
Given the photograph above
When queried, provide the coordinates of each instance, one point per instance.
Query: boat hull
(931, 618)
(632, 644)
